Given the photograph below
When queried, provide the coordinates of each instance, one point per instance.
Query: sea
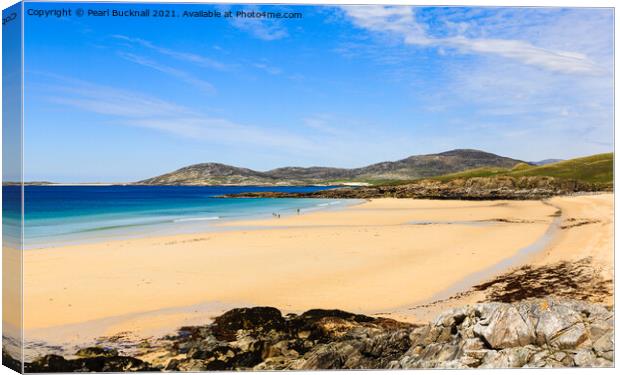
(61, 215)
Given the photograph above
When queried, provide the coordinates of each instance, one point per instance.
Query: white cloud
(506, 76)
(261, 28)
(274, 71)
(322, 123)
(180, 74)
(554, 60)
(135, 109)
(400, 21)
(108, 101)
(193, 58)
(556, 115)
(395, 19)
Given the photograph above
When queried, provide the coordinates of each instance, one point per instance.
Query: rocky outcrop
(544, 332)
(261, 338)
(536, 333)
(93, 363)
(474, 188)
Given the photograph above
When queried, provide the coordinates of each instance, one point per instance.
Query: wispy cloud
(498, 78)
(134, 109)
(359, 143)
(322, 123)
(261, 28)
(555, 60)
(199, 60)
(393, 19)
(107, 101)
(554, 114)
(400, 21)
(177, 73)
(274, 71)
(193, 59)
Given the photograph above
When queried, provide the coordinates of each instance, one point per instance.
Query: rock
(507, 358)
(96, 351)
(172, 365)
(254, 318)
(471, 188)
(281, 349)
(573, 337)
(274, 363)
(55, 363)
(604, 346)
(333, 356)
(504, 327)
(387, 346)
(584, 358)
(560, 326)
(473, 344)
(547, 332)
(10, 362)
(317, 314)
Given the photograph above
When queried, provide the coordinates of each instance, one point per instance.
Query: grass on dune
(596, 169)
(592, 169)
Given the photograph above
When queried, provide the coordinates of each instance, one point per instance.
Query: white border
(496, 3)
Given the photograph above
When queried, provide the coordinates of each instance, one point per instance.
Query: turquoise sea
(57, 215)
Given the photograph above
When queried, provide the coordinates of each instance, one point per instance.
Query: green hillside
(593, 169)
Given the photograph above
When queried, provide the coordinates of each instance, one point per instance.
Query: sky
(121, 99)
(11, 96)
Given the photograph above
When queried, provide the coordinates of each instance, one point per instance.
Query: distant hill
(413, 167)
(545, 162)
(591, 169)
(521, 181)
(210, 174)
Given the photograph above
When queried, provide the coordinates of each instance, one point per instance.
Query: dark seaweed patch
(577, 280)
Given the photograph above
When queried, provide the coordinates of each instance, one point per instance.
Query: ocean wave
(328, 204)
(208, 218)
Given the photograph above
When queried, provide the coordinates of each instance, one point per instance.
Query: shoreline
(171, 227)
(360, 224)
(519, 258)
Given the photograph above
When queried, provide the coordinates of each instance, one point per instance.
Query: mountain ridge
(412, 167)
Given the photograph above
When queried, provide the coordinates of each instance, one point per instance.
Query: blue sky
(118, 99)
(12, 89)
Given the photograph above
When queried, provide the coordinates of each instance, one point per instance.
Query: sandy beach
(377, 257)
